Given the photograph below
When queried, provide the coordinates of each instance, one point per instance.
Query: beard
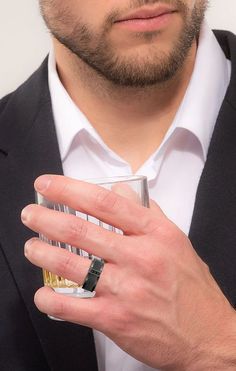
(97, 51)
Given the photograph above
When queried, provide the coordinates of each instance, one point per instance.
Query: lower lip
(146, 24)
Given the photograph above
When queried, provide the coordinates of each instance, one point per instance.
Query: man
(130, 87)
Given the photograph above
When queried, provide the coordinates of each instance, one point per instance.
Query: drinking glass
(133, 187)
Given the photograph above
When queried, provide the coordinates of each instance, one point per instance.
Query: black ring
(93, 274)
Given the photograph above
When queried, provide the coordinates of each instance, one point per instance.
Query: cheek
(192, 4)
(90, 12)
(68, 13)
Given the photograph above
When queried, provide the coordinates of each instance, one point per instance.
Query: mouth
(147, 19)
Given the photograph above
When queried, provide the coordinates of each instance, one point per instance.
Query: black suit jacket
(28, 148)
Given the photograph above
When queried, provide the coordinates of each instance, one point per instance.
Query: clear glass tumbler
(134, 187)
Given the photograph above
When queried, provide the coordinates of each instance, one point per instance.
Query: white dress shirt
(173, 171)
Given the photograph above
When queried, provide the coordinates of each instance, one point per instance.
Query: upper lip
(145, 13)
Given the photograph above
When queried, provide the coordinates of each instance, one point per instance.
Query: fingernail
(24, 215)
(42, 183)
(28, 244)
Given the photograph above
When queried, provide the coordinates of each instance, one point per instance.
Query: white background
(24, 40)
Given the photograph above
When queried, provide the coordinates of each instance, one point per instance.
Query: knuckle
(123, 320)
(159, 227)
(63, 187)
(150, 224)
(58, 308)
(77, 230)
(118, 319)
(115, 251)
(175, 238)
(105, 201)
(65, 265)
(111, 280)
(147, 264)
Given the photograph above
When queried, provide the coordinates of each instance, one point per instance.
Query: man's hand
(156, 298)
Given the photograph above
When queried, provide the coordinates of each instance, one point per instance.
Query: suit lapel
(213, 228)
(29, 148)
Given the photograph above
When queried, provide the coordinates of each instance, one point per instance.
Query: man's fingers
(56, 260)
(95, 200)
(88, 311)
(73, 230)
(65, 264)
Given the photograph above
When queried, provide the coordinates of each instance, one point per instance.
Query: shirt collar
(69, 119)
(197, 113)
(200, 107)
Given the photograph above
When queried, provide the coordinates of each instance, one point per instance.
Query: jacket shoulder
(20, 109)
(227, 41)
(4, 102)
(32, 87)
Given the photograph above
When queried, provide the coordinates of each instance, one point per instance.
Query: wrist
(219, 352)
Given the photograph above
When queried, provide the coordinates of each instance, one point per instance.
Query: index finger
(99, 202)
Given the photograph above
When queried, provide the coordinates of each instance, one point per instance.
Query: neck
(131, 121)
